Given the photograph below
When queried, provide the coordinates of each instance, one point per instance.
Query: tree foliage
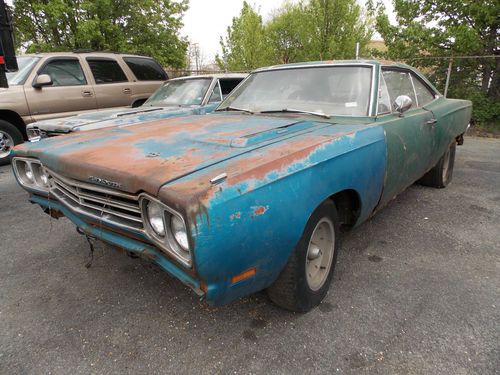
(244, 46)
(147, 27)
(309, 30)
(431, 28)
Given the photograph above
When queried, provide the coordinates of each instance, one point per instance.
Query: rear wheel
(9, 137)
(440, 176)
(305, 281)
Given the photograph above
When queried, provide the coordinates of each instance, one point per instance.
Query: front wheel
(9, 137)
(307, 276)
(440, 176)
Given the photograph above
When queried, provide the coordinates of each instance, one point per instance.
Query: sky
(207, 20)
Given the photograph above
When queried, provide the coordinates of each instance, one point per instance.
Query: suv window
(399, 83)
(424, 95)
(64, 72)
(145, 69)
(106, 71)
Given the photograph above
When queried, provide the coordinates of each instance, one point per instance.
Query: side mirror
(402, 104)
(42, 80)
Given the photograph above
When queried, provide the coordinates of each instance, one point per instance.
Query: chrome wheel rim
(6, 144)
(446, 164)
(320, 254)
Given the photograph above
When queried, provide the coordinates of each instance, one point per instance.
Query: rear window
(106, 71)
(145, 69)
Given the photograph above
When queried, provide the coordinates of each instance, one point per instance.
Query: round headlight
(44, 177)
(155, 218)
(179, 231)
(28, 173)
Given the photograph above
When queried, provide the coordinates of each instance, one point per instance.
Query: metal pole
(448, 78)
(357, 50)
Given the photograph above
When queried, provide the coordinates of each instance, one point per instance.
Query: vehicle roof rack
(84, 50)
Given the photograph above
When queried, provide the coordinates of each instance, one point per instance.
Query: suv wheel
(9, 137)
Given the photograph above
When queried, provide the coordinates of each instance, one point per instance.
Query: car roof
(89, 54)
(333, 63)
(215, 75)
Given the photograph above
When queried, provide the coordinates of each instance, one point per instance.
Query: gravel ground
(416, 291)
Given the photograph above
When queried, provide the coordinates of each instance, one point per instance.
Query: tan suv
(62, 84)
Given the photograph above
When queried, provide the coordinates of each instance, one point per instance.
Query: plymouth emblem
(104, 182)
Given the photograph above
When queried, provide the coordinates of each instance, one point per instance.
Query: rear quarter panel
(453, 117)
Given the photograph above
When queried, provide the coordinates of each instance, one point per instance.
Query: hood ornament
(218, 179)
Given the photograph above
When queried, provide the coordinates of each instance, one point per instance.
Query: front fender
(257, 222)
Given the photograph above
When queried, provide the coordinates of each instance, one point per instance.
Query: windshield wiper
(292, 110)
(229, 108)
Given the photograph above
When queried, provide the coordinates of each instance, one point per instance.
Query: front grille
(99, 203)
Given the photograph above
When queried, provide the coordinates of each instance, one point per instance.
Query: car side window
(399, 83)
(424, 95)
(228, 84)
(384, 100)
(145, 69)
(216, 94)
(64, 72)
(106, 71)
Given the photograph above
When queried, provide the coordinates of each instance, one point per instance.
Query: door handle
(86, 93)
(431, 122)
(127, 91)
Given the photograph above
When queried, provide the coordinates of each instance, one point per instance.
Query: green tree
(335, 28)
(309, 30)
(244, 46)
(287, 34)
(147, 27)
(447, 28)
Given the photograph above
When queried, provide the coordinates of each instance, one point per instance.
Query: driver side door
(69, 93)
(410, 137)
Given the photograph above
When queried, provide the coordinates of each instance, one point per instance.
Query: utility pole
(448, 78)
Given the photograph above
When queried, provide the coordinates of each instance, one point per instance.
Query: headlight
(156, 218)
(31, 174)
(179, 231)
(166, 228)
(28, 172)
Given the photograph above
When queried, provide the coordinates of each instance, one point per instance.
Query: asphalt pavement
(416, 291)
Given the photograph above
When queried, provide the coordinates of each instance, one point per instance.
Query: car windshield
(180, 92)
(25, 64)
(320, 90)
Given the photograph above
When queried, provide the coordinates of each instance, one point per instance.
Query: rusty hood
(143, 157)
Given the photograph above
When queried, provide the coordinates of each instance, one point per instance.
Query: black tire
(292, 290)
(440, 176)
(8, 130)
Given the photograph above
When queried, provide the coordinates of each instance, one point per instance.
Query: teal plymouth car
(193, 95)
(255, 195)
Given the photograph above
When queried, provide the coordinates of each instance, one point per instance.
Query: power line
(452, 57)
